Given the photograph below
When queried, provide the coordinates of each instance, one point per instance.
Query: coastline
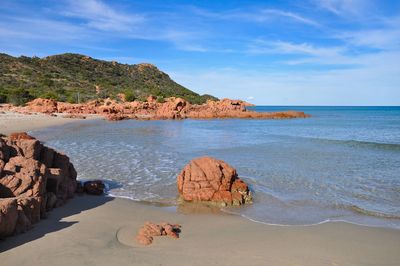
(101, 231)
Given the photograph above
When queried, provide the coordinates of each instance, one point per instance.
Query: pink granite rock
(207, 179)
(147, 233)
(33, 178)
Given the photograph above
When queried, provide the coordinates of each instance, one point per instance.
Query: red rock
(26, 166)
(43, 106)
(149, 230)
(24, 177)
(172, 108)
(50, 201)
(8, 216)
(95, 187)
(19, 136)
(151, 99)
(23, 223)
(31, 206)
(207, 179)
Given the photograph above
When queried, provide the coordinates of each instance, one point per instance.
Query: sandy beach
(91, 230)
(17, 122)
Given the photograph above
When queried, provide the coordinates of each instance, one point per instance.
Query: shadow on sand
(53, 222)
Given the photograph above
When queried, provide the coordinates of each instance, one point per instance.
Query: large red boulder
(33, 179)
(40, 105)
(8, 216)
(207, 179)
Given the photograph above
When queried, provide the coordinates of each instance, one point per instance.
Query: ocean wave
(329, 220)
(369, 144)
(352, 143)
(359, 210)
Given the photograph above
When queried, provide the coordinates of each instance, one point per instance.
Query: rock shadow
(53, 222)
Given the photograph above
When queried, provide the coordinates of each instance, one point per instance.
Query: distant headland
(79, 85)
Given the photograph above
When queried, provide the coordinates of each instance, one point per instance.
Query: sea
(342, 164)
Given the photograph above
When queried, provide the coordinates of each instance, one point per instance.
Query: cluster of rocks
(150, 230)
(207, 179)
(171, 108)
(33, 180)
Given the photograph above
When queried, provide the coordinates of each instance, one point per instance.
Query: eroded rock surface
(147, 233)
(170, 108)
(33, 180)
(207, 179)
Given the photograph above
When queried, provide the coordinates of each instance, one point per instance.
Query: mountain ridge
(73, 78)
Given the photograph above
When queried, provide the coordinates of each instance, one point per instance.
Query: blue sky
(310, 52)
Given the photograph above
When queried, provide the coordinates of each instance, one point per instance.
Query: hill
(79, 78)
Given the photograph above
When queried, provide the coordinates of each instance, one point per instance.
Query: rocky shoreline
(171, 108)
(111, 231)
(34, 179)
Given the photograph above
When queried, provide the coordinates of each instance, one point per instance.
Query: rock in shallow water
(95, 187)
(207, 179)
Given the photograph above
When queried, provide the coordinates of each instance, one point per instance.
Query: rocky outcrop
(170, 108)
(8, 216)
(149, 230)
(40, 105)
(207, 179)
(33, 180)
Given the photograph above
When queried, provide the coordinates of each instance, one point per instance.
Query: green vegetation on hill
(79, 78)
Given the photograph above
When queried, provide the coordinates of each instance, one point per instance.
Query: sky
(309, 52)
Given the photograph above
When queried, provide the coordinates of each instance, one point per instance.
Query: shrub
(160, 99)
(49, 95)
(129, 96)
(19, 96)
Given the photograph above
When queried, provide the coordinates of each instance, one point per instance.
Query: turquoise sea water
(342, 164)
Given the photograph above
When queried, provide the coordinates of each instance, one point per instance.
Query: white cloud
(381, 39)
(344, 7)
(290, 15)
(259, 15)
(96, 21)
(101, 16)
(39, 28)
(375, 83)
(280, 47)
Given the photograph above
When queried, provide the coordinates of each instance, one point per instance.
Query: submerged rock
(207, 179)
(33, 178)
